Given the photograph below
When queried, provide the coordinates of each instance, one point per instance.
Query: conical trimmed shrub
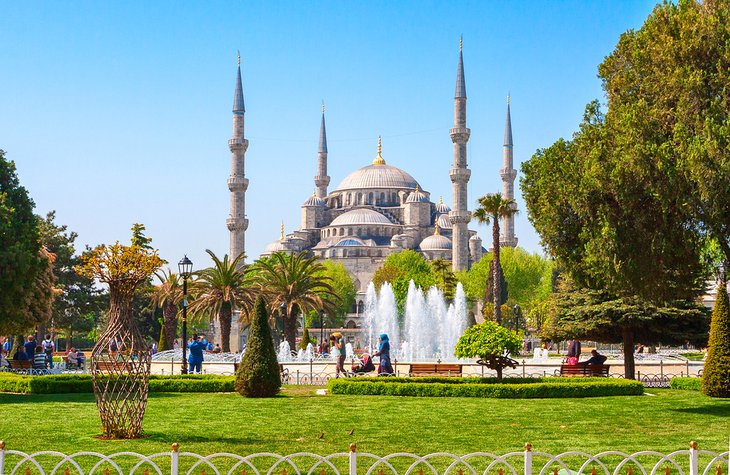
(258, 374)
(306, 339)
(716, 374)
(162, 344)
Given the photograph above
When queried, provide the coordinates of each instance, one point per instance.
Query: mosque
(377, 210)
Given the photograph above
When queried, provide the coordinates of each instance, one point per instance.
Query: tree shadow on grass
(722, 409)
(191, 438)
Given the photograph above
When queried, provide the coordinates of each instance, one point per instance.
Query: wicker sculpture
(120, 361)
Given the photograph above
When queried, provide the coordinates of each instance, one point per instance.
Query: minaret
(508, 174)
(460, 174)
(322, 180)
(237, 182)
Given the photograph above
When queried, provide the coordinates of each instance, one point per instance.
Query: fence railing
(692, 461)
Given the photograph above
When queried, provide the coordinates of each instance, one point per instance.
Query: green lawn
(293, 421)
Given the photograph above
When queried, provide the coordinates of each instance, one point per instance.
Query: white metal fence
(528, 462)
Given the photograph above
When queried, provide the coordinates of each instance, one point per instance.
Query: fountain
(284, 353)
(431, 328)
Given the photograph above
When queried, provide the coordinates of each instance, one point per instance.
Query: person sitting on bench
(72, 361)
(596, 358)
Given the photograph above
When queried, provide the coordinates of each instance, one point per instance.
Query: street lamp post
(321, 327)
(518, 313)
(185, 267)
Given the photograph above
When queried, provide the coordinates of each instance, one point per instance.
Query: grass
(293, 421)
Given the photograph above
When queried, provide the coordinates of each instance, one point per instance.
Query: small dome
(360, 216)
(444, 221)
(349, 242)
(314, 201)
(475, 238)
(417, 197)
(436, 242)
(442, 208)
(276, 246)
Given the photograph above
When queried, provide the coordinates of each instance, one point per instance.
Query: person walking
(385, 367)
(338, 343)
(48, 347)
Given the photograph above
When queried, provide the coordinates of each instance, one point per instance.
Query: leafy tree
(139, 238)
(492, 207)
(306, 339)
(599, 316)
(716, 374)
(22, 263)
(258, 374)
(167, 296)
(492, 344)
(343, 287)
(219, 290)
(399, 269)
(77, 299)
(293, 284)
(445, 278)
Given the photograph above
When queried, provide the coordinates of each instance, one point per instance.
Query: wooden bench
(584, 370)
(435, 369)
(111, 366)
(25, 367)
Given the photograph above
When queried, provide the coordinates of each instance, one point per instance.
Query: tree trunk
(495, 273)
(290, 329)
(69, 340)
(628, 340)
(225, 315)
(169, 320)
(499, 373)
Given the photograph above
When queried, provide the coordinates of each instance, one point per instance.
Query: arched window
(351, 324)
(382, 198)
(342, 231)
(348, 200)
(353, 308)
(349, 231)
(360, 307)
(370, 198)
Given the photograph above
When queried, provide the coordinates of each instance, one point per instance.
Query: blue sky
(120, 112)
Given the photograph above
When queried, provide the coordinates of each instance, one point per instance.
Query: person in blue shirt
(195, 359)
(7, 346)
(30, 347)
(385, 367)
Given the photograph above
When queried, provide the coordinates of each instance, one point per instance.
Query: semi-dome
(417, 196)
(314, 201)
(441, 207)
(276, 246)
(444, 221)
(349, 242)
(379, 177)
(360, 216)
(436, 242)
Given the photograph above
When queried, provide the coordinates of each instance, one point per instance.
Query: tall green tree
(295, 285)
(600, 316)
(491, 208)
(445, 278)
(220, 290)
(77, 300)
(716, 373)
(22, 263)
(344, 289)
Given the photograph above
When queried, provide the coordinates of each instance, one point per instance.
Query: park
(383, 336)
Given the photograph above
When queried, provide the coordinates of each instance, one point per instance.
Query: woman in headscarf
(385, 367)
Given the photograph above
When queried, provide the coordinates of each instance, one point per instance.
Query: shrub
(689, 384)
(716, 376)
(480, 387)
(258, 373)
(81, 383)
(306, 339)
(491, 343)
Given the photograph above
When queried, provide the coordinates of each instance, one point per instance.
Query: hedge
(518, 388)
(81, 383)
(689, 384)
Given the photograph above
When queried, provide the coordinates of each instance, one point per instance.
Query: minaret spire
(508, 174)
(237, 182)
(379, 160)
(322, 179)
(460, 173)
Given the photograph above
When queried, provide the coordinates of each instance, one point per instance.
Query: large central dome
(378, 176)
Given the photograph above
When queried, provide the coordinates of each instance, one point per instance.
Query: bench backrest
(435, 368)
(20, 364)
(592, 369)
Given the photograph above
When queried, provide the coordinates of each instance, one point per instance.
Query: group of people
(572, 357)
(41, 355)
(365, 364)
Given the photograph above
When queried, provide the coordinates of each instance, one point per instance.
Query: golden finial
(528, 447)
(353, 447)
(175, 447)
(508, 98)
(441, 200)
(418, 188)
(282, 230)
(461, 43)
(239, 58)
(436, 227)
(379, 160)
(322, 107)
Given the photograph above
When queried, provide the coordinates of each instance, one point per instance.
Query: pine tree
(306, 339)
(258, 373)
(716, 376)
(162, 344)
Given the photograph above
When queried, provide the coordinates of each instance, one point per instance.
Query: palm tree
(219, 290)
(294, 284)
(492, 207)
(168, 296)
